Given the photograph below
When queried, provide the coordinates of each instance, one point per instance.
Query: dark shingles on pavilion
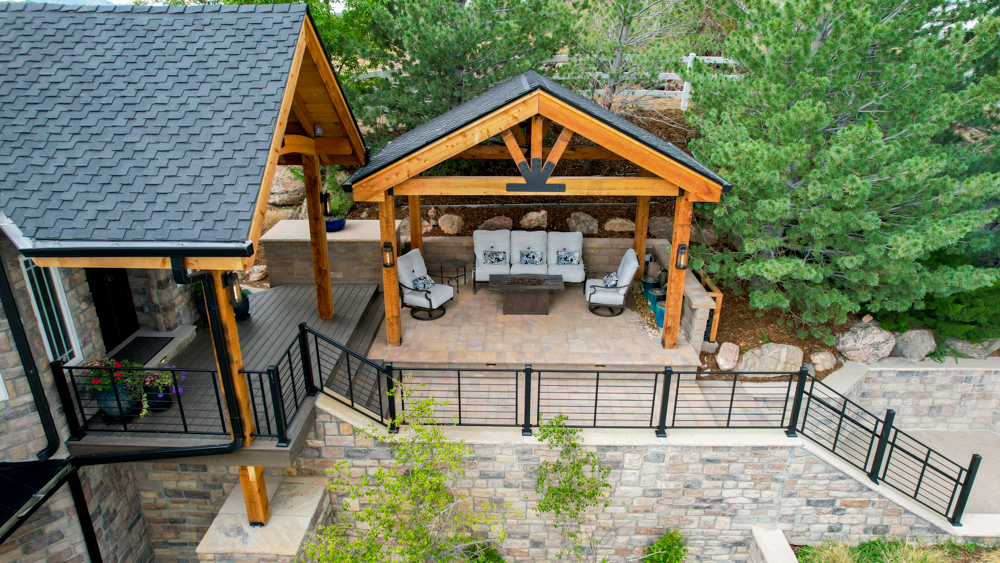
(506, 93)
(139, 124)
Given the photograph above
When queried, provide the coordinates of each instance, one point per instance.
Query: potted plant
(336, 205)
(122, 387)
(242, 309)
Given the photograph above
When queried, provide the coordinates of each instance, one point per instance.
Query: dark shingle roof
(506, 93)
(136, 124)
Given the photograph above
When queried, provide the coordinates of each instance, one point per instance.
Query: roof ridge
(131, 8)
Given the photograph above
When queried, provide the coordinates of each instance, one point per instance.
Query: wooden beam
(255, 495)
(480, 130)
(536, 141)
(296, 160)
(298, 144)
(144, 263)
(416, 224)
(514, 150)
(546, 125)
(575, 152)
(390, 279)
(641, 228)
(675, 280)
(519, 134)
(332, 146)
(303, 116)
(497, 185)
(329, 80)
(699, 187)
(317, 237)
(557, 149)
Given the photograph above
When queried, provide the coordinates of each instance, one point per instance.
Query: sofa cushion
(490, 240)
(597, 293)
(439, 294)
(568, 258)
(565, 242)
(531, 257)
(540, 269)
(570, 274)
(494, 257)
(484, 271)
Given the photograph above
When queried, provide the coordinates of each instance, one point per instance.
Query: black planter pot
(159, 398)
(242, 310)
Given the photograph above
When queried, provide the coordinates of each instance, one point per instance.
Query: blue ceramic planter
(334, 225)
(115, 400)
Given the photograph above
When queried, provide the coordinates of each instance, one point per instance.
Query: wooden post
(254, 489)
(416, 224)
(536, 142)
(390, 279)
(317, 237)
(675, 281)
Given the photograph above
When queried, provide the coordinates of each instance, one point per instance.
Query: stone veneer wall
(714, 495)
(169, 305)
(933, 396)
(179, 501)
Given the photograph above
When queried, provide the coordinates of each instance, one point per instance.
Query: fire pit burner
(523, 281)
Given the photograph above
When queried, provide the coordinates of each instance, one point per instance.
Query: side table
(457, 266)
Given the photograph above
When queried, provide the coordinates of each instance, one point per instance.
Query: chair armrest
(594, 289)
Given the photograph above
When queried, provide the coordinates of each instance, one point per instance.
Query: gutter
(101, 249)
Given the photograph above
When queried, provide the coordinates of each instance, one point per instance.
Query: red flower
(118, 376)
(95, 381)
(119, 365)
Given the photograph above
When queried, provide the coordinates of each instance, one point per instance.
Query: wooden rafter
(303, 116)
(572, 152)
(519, 135)
(557, 149)
(515, 152)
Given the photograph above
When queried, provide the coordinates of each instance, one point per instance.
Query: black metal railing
(109, 399)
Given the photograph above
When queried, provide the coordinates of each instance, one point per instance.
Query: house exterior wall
(161, 304)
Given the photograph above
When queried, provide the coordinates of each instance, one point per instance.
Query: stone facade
(933, 396)
(713, 494)
(161, 304)
(179, 501)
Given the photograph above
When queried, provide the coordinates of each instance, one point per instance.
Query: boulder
(583, 223)
(823, 360)
(286, 190)
(728, 354)
(432, 212)
(771, 357)
(619, 225)
(971, 349)
(810, 368)
(451, 224)
(535, 220)
(703, 236)
(497, 223)
(256, 273)
(914, 344)
(404, 227)
(661, 227)
(866, 343)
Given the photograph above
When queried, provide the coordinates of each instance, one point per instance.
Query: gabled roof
(132, 129)
(505, 94)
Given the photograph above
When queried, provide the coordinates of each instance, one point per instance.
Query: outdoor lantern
(324, 200)
(388, 256)
(235, 291)
(682, 257)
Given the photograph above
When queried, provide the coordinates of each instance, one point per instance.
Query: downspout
(83, 515)
(182, 277)
(30, 369)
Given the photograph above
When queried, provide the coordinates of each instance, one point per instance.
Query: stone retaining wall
(770, 546)
(713, 494)
(933, 396)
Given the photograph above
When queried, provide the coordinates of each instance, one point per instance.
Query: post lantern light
(682, 257)
(233, 287)
(388, 256)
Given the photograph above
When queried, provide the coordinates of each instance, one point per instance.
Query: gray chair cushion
(410, 266)
(570, 274)
(439, 295)
(597, 293)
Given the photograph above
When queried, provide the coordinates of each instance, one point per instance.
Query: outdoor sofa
(528, 252)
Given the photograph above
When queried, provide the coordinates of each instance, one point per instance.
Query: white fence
(664, 77)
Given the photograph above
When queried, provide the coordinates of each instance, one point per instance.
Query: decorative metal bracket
(536, 178)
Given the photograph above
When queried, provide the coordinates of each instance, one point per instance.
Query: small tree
(405, 510)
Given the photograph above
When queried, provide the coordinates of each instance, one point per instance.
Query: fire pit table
(526, 294)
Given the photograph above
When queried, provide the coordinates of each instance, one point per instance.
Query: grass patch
(885, 550)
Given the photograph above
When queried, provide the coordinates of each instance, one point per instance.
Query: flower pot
(242, 310)
(117, 401)
(158, 398)
(334, 224)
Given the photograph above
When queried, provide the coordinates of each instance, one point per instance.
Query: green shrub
(484, 554)
(668, 549)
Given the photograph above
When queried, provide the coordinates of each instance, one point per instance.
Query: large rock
(497, 223)
(256, 273)
(619, 225)
(535, 220)
(432, 212)
(404, 227)
(286, 190)
(823, 360)
(866, 343)
(728, 354)
(581, 222)
(703, 236)
(914, 344)
(771, 357)
(661, 227)
(451, 224)
(972, 350)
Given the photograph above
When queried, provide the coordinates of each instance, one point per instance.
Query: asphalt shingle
(117, 124)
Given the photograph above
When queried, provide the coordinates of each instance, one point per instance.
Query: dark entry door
(113, 301)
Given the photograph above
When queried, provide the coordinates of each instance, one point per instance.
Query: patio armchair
(497, 244)
(612, 299)
(426, 302)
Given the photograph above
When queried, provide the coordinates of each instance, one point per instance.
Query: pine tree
(835, 138)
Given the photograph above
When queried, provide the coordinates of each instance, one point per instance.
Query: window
(49, 302)
(3, 389)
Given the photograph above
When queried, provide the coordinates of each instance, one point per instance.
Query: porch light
(682, 257)
(388, 256)
(235, 291)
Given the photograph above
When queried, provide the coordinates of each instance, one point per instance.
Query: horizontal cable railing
(144, 400)
(470, 397)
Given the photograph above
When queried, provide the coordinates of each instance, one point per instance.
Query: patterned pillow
(533, 257)
(423, 282)
(494, 257)
(568, 258)
(611, 280)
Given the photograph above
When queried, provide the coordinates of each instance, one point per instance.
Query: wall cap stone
(293, 230)
(773, 546)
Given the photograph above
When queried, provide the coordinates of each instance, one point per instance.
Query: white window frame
(60, 291)
(3, 389)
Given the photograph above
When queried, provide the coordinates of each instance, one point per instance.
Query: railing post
(390, 386)
(883, 442)
(963, 497)
(526, 427)
(279, 405)
(59, 376)
(307, 372)
(800, 390)
(668, 376)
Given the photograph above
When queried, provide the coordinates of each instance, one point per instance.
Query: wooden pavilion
(538, 104)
